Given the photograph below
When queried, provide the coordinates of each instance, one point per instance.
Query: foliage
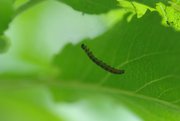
(143, 40)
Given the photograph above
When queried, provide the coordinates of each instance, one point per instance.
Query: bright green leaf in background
(40, 80)
(170, 14)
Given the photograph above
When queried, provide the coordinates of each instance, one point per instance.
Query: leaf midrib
(90, 87)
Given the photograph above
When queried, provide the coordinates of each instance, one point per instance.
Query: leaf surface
(92, 6)
(148, 52)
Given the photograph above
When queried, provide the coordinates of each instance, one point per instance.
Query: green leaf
(6, 14)
(151, 3)
(92, 6)
(170, 14)
(134, 7)
(8, 11)
(148, 52)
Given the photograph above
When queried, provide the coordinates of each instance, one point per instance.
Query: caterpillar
(99, 62)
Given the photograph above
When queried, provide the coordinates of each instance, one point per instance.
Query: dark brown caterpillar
(99, 62)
